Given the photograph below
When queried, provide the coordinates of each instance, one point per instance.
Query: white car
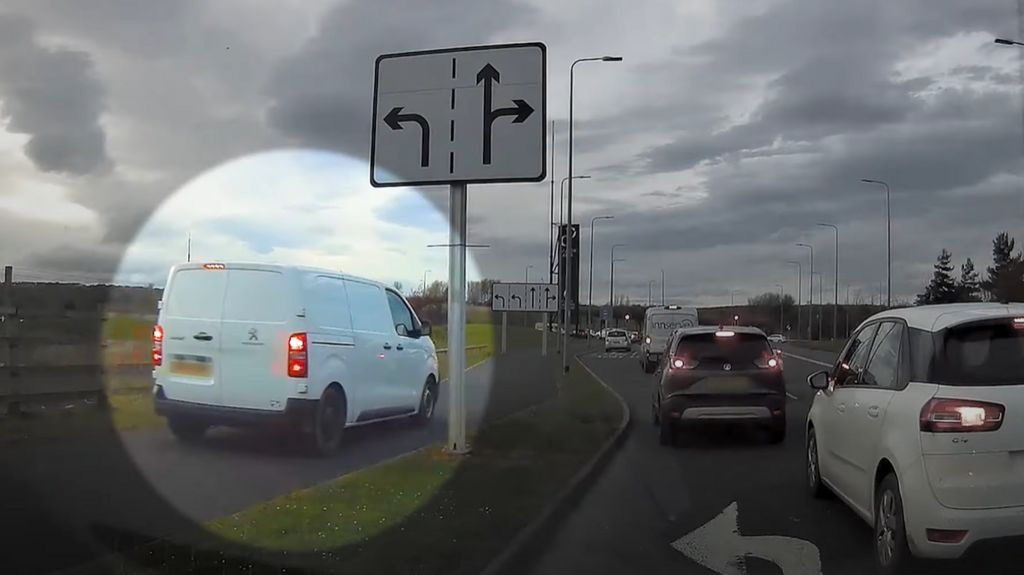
(617, 339)
(919, 429)
(777, 338)
(315, 350)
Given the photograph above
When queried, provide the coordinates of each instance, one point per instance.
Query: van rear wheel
(187, 430)
(329, 422)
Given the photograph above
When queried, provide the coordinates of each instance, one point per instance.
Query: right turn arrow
(718, 546)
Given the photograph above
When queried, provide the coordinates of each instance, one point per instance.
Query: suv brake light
(767, 361)
(960, 415)
(683, 362)
(298, 365)
(158, 345)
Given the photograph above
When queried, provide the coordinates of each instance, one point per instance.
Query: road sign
(462, 115)
(535, 297)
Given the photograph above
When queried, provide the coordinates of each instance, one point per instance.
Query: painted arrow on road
(719, 546)
(396, 118)
(489, 75)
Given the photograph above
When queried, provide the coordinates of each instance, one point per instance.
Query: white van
(316, 350)
(659, 323)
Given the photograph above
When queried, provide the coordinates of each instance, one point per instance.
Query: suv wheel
(891, 550)
(329, 422)
(187, 430)
(666, 431)
(428, 402)
(648, 365)
(818, 488)
(777, 430)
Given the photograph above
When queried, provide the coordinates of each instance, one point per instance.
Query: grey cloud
(53, 96)
(322, 95)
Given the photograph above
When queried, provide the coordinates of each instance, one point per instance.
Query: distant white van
(659, 323)
(247, 344)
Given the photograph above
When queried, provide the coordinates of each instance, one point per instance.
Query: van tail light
(960, 415)
(298, 363)
(683, 362)
(767, 361)
(158, 345)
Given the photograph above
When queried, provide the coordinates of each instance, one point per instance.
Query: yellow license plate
(192, 368)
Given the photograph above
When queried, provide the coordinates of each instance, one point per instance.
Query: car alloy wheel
(891, 550)
(812, 462)
(886, 530)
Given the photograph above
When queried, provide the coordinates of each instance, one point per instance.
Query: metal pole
(544, 336)
(650, 288)
(457, 319)
(888, 241)
(782, 326)
(662, 287)
(568, 247)
(590, 282)
(611, 292)
(810, 319)
(504, 332)
(799, 293)
(8, 377)
(551, 217)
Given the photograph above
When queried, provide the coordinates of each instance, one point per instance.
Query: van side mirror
(425, 328)
(818, 380)
(401, 330)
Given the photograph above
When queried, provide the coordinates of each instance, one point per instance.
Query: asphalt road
(651, 496)
(146, 484)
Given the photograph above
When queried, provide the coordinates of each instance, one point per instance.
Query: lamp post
(568, 204)
(425, 281)
(1008, 42)
(563, 264)
(821, 287)
(590, 282)
(611, 281)
(528, 273)
(810, 319)
(799, 290)
(782, 313)
(650, 289)
(663, 287)
(835, 308)
(888, 237)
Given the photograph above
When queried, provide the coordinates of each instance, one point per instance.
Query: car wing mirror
(402, 330)
(425, 328)
(818, 380)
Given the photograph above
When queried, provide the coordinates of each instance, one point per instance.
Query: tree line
(1003, 281)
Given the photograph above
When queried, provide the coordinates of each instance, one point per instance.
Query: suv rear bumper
(692, 409)
(295, 413)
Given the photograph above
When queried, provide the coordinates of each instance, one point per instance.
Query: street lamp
(888, 236)
(563, 264)
(1007, 42)
(821, 279)
(425, 282)
(590, 282)
(835, 308)
(528, 273)
(782, 325)
(662, 287)
(799, 290)
(611, 281)
(810, 319)
(568, 204)
(650, 290)
(561, 196)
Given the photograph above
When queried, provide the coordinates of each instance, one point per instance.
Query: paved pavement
(147, 484)
(651, 496)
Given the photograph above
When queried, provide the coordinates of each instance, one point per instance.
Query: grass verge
(425, 512)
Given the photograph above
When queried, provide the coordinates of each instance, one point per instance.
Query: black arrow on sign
(489, 76)
(518, 298)
(533, 297)
(547, 296)
(500, 297)
(394, 120)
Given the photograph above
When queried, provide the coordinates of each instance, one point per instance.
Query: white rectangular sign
(461, 115)
(524, 297)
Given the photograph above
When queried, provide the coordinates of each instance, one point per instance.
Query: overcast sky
(729, 130)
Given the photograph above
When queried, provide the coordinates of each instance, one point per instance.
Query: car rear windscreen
(739, 349)
(616, 334)
(979, 354)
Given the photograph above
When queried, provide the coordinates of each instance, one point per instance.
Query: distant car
(617, 339)
(315, 350)
(777, 338)
(634, 337)
(918, 428)
(719, 375)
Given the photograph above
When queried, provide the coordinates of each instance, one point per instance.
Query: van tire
(428, 403)
(187, 430)
(648, 366)
(329, 421)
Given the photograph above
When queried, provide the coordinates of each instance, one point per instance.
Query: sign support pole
(504, 332)
(457, 320)
(544, 337)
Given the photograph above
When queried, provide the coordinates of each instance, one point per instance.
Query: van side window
(368, 307)
(400, 314)
(329, 302)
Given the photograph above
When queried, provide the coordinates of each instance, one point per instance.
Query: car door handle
(841, 408)
(203, 336)
(399, 347)
(387, 346)
(874, 410)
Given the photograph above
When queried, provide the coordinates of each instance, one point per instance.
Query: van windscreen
(982, 353)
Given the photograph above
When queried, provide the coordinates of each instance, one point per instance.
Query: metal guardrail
(468, 348)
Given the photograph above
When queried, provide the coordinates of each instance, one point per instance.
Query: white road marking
(791, 396)
(807, 359)
(718, 545)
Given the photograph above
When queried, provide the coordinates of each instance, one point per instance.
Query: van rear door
(191, 322)
(254, 340)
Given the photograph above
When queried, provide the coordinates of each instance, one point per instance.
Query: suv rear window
(738, 349)
(983, 353)
(616, 334)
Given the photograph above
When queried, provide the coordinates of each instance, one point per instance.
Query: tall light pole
(563, 263)
(888, 237)
(821, 282)
(810, 319)
(425, 281)
(799, 291)
(650, 289)
(551, 214)
(590, 282)
(835, 308)
(528, 273)
(568, 204)
(561, 196)
(611, 282)
(1007, 42)
(663, 287)
(782, 312)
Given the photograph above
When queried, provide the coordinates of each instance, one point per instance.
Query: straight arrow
(396, 118)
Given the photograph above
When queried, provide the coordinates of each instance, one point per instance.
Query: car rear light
(298, 365)
(767, 361)
(945, 535)
(960, 415)
(647, 340)
(158, 345)
(724, 333)
(683, 362)
(1018, 322)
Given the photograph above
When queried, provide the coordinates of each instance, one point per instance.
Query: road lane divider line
(807, 359)
(791, 396)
